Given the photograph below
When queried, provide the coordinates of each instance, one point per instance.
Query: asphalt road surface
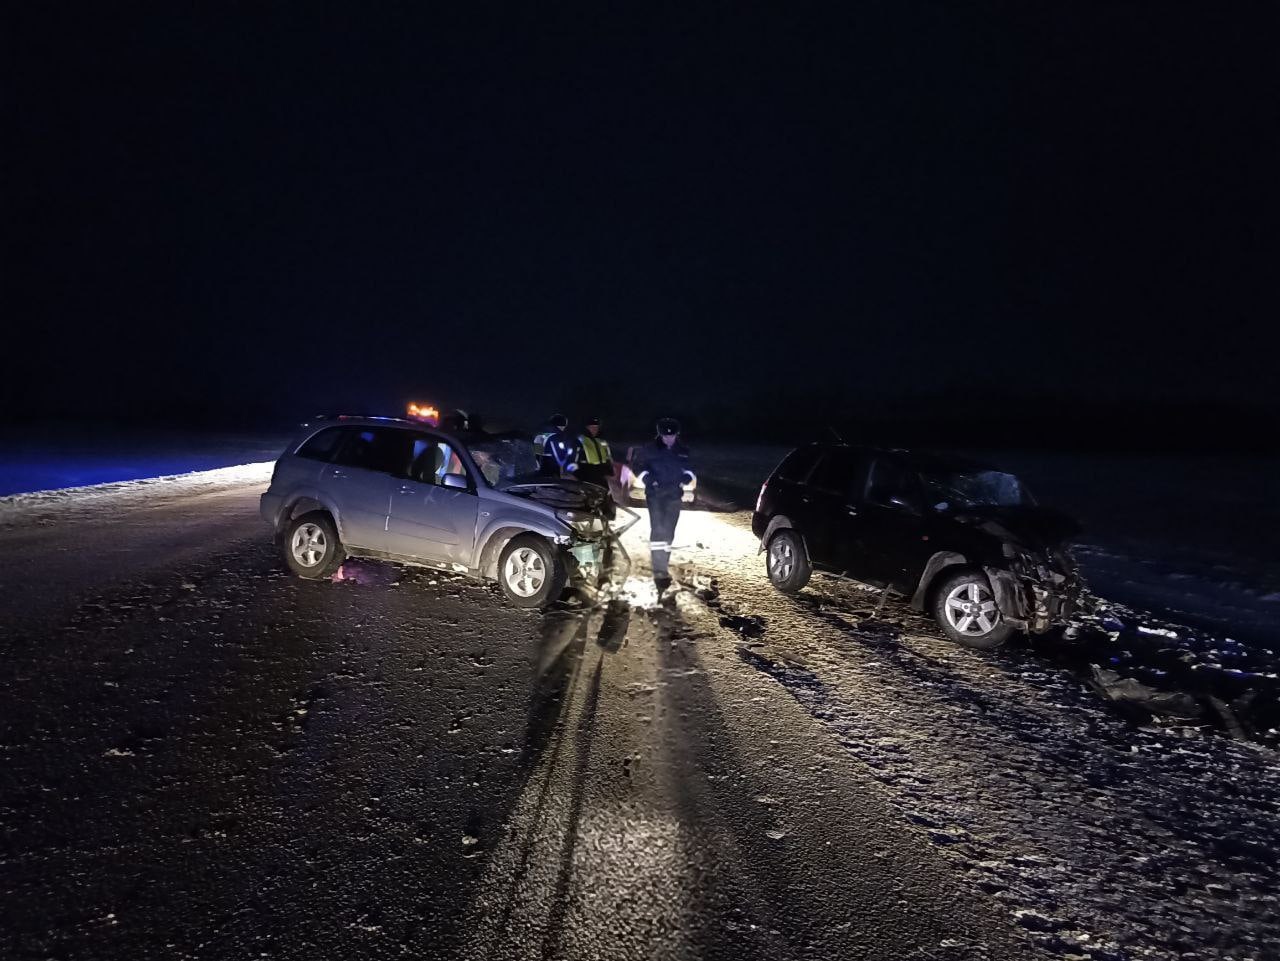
(203, 757)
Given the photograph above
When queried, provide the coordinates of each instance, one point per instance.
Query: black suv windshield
(981, 488)
(503, 459)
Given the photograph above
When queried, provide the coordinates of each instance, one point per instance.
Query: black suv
(962, 541)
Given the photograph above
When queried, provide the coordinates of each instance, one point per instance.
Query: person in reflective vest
(560, 449)
(596, 460)
(665, 469)
(540, 439)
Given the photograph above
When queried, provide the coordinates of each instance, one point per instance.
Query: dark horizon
(1028, 220)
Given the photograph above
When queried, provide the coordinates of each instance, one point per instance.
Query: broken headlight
(583, 523)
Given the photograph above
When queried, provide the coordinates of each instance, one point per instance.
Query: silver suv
(397, 490)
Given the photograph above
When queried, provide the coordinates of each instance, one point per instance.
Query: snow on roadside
(43, 505)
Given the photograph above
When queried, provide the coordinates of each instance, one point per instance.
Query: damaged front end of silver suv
(595, 524)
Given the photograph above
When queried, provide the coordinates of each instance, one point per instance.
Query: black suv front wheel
(787, 561)
(965, 608)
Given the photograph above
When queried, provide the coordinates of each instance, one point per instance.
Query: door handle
(851, 511)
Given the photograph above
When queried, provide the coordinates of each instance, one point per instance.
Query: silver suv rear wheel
(311, 545)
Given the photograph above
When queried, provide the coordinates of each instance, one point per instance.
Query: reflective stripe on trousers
(664, 512)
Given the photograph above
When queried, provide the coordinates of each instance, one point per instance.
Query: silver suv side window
(432, 459)
(322, 444)
(381, 449)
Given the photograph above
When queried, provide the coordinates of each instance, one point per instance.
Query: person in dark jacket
(560, 450)
(664, 469)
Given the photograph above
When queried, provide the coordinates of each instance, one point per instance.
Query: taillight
(760, 498)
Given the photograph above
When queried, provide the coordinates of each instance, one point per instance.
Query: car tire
(311, 546)
(787, 561)
(531, 572)
(963, 605)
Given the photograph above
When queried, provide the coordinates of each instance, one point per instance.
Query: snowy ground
(51, 458)
(206, 758)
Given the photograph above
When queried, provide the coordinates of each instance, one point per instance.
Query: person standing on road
(560, 449)
(596, 465)
(665, 470)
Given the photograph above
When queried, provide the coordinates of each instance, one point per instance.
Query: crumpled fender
(936, 563)
(493, 536)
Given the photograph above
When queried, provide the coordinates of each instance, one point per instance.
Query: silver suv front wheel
(531, 572)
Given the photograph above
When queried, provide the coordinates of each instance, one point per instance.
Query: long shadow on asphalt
(577, 789)
(564, 641)
(249, 757)
(785, 889)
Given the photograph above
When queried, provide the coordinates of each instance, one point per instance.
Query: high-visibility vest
(595, 450)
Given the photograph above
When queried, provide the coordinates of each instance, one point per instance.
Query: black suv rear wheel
(965, 608)
(787, 561)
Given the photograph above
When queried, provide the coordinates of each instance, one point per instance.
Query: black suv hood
(1039, 528)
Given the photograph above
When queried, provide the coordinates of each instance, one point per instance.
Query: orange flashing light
(424, 412)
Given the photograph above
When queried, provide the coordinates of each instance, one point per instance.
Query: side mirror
(885, 497)
(455, 481)
(898, 502)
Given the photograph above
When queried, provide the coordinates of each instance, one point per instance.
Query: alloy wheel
(525, 572)
(971, 609)
(309, 545)
(782, 558)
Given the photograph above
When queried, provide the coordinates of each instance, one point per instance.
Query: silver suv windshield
(503, 459)
(985, 488)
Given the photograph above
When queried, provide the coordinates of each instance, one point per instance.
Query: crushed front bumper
(1034, 602)
(598, 558)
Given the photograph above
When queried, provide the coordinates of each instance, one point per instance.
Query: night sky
(258, 211)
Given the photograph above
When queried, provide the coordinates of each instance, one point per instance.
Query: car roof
(918, 460)
(357, 420)
(370, 420)
(404, 423)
